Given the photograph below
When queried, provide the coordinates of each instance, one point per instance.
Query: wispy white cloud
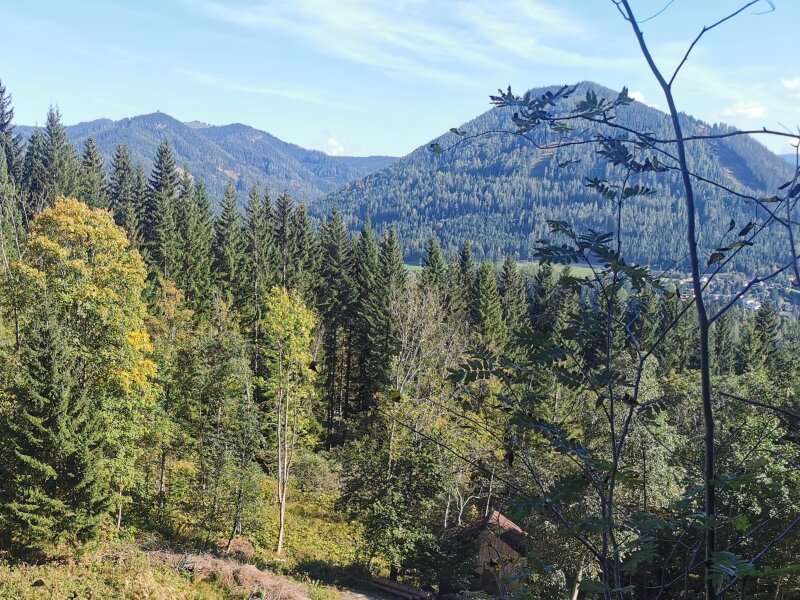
(334, 147)
(745, 110)
(230, 86)
(793, 85)
(423, 38)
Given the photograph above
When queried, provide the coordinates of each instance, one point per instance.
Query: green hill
(499, 191)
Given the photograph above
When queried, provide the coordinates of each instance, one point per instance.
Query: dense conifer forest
(258, 382)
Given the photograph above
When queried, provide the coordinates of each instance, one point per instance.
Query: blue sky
(381, 76)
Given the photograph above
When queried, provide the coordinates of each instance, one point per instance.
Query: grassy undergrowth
(119, 571)
(321, 546)
(321, 551)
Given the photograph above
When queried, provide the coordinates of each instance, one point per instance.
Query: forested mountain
(217, 154)
(250, 383)
(790, 158)
(499, 190)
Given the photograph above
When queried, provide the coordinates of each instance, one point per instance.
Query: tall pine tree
(367, 320)
(159, 217)
(197, 234)
(61, 164)
(229, 247)
(10, 144)
(93, 189)
(336, 317)
(51, 489)
(121, 193)
(284, 240)
(489, 323)
(434, 268)
(515, 296)
(34, 175)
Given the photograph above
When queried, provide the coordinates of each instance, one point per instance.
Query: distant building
(484, 555)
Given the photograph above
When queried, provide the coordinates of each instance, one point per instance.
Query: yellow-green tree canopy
(288, 327)
(78, 388)
(78, 262)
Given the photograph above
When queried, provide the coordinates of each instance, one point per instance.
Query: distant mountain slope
(217, 154)
(499, 191)
(790, 158)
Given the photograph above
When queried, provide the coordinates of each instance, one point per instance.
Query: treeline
(173, 370)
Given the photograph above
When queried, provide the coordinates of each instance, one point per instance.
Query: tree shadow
(353, 576)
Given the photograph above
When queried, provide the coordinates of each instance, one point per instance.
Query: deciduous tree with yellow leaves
(77, 388)
(287, 329)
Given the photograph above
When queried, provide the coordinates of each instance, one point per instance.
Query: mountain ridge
(499, 192)
(218, 154)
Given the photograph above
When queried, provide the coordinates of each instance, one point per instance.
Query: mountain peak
(500, 191)
(219, 154)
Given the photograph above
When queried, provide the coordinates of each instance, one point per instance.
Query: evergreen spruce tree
(160, 203)
(52, 490)
(159, 215)
(61, 163)
(489, 324)
(229, 247)
(767, 330)
(121, 193)
(676, 352)
(258, 274)
(10, 220)
(306, 255)
(141, 195)
(168, 245)
(10, 145)
(336, 317)
(284, 240)
(393, 269)
(389, 286)
(434, 269)
(368, 319)
(34, 175)
(183, 205)
(461, 294)
(197, 233)
(93, 189)
(514, 292)
(749, 352)
(724, 347)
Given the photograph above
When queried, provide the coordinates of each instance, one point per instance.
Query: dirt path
(232, 575)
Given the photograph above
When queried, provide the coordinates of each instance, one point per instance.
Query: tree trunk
(489, 496)
(576, 590)
(162, 483)
(281, 523)
(702, 315)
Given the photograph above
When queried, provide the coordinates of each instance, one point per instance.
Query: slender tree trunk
(489, 496)
(162, 483)
(391, 454)
(702, 315)
(576, 590)
(237, 518)
(281, 523)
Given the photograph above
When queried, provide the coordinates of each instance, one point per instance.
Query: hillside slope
(498, 191)
(217, 154)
